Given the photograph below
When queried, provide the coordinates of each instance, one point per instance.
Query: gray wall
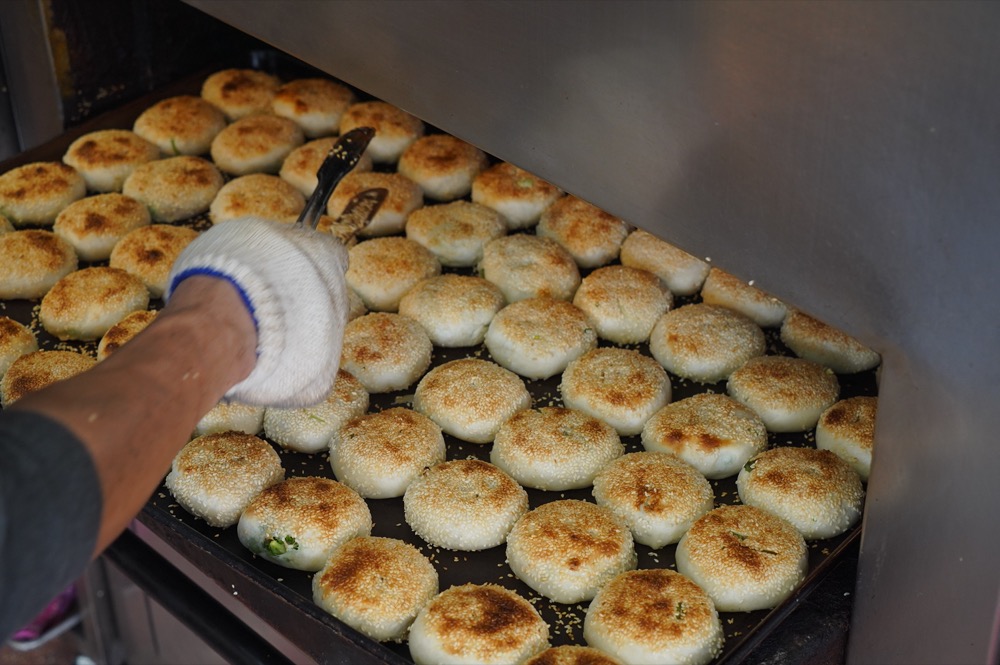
(846, 156)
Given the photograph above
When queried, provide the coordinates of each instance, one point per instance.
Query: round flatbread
(174, 188)
(789, 394)
(255, 144)
(454, 310)
(516, 194)
(382, 270)
(15, 341)
(848, 429)
(623, 304)
(240, 92)
(726, 290)
(34, 194)
(94, 225)
(681, 272)
(149, 253)
(592, 237)
(85, 304)
(38, 369)
(527, 266)
(127, 328)
(455, 232)
(107, 157)
(257, 195)
(182, 125)
(315, 104)
(395, 129)
(32, 261)
(442, 165)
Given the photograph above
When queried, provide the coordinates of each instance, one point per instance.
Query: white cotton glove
(292, 280)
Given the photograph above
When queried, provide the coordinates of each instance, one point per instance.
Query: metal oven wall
(846, 156)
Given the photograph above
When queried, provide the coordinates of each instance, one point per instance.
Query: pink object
(54, 612)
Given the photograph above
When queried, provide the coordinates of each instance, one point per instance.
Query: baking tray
(282, 597)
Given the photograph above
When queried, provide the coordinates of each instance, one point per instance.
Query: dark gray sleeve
(50, 511)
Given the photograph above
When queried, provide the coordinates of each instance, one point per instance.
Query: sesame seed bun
(743, 557)
(150, 251)
(382, 270)
(127, 328)
(33, 194)
(789, 394)
(726, 290)
(553, 448)
(470, 398)
(376, 586)
(477, 624)
(215, 476)
(379, 454)
(623, 304)
(231, 416)
(515, 193)
(819, 493)
(94, 225)
(591, 236)
(713, 433)
(454, 310)
(620, 386)
(681, 272)
(705, 343)
(538, 337)
(356, 305)
(656, 494)
(182, 125)
(467, 505)
(848, 429)
(567, 550)
(107, 157)
(404, 197)
(32, 261)
(527, 266)
(654, 616)
(315, 104)
(455, 232)
(85, 304)
(309, 429)
(572, 654)
(38, 369)
(258, 195)
(240, 92)
(385, 351)
(442, 165)
(15, 341)
(395, 129)
(299, 522)
(302, 164)
(256, 143)
(823, 344)
(174, 188)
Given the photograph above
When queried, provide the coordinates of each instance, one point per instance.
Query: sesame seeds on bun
(150, 251)
(182, 125)
(95, 224)
(455, 232)
(681, 272)
(301, 166)
(470, 398)
(567, 550)
(34, 194)
(591, 236)
(376, 585)
(85, 304)
(848, 429)
(385, 351)
(819, 493)
(379, 454)
(395, 129)
(403, 198)
(516, 194)
(231, 416)
(32, 261)
(620, 386)
(15, 341)
(105, 158)
(240, 92)
(382, 270)
(215, 476)
(257, 195)
(554, 448)
(477, 624)
(454, 310)
(726, 290)
(789, 394)
(572, 654)
(528, 266)
(127, 328)
(299, 522)
(713, 433)
(309, 429)
(654, 616)
(465, 505)
(174, 188)
(745, 558)
(442, 165)
(814, 340)
(656, 494)
(623, 303)
(538, 337)
(256, 143)
(315, 104)
(38, 369)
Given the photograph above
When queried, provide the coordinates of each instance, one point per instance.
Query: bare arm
(136, 409)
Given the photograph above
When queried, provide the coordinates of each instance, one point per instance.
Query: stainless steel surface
(30, 71)
(843, 155)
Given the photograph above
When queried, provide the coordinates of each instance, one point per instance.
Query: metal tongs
(343, 157)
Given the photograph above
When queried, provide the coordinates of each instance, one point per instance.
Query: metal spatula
(343, 157)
